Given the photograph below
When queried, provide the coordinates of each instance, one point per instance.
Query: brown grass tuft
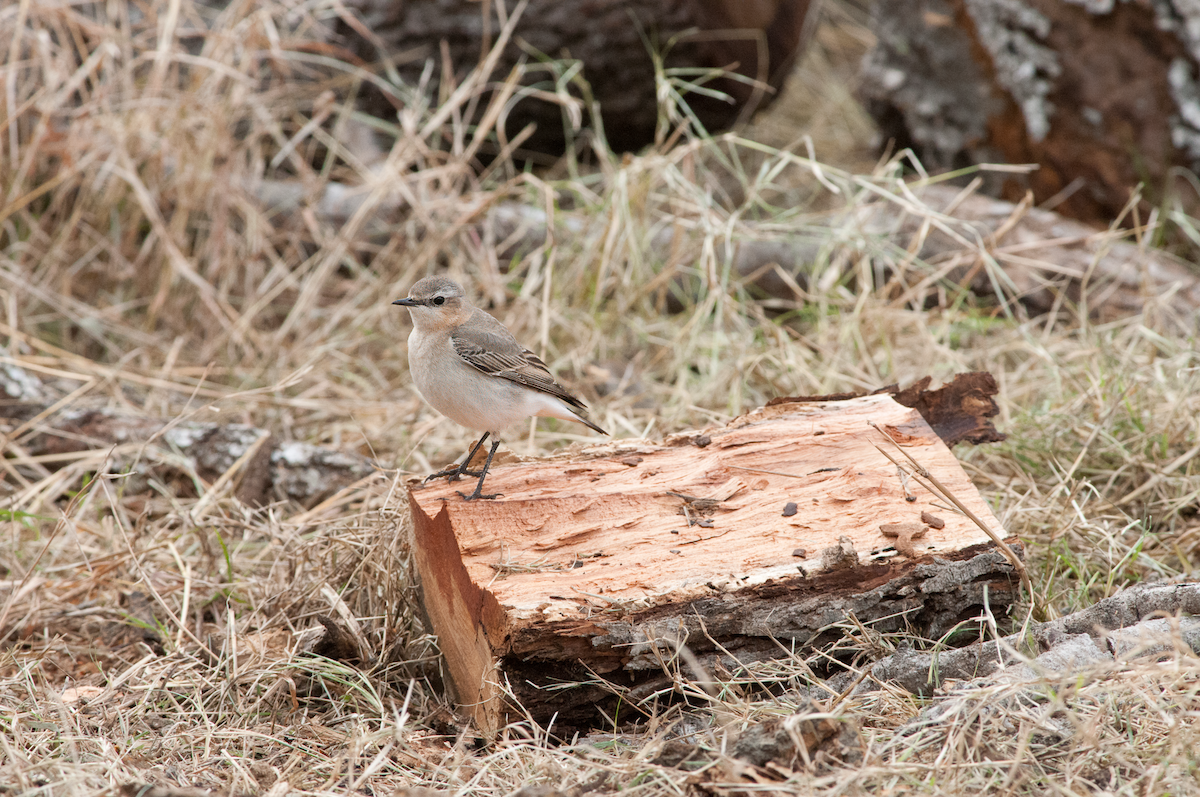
(165, 249)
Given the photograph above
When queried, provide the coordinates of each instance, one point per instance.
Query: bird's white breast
(468, 396)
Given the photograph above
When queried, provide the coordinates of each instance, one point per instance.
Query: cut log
(596, 567)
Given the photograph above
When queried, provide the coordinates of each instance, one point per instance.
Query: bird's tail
(557, 407)
(589, 424)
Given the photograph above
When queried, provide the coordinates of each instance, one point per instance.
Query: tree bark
(259, 468)
(1100, 95)
(1131, 621)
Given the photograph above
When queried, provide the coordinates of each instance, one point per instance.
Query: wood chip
(933, 520)
(904, 533)
(899, 529)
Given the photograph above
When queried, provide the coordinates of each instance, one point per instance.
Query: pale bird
(472, 370)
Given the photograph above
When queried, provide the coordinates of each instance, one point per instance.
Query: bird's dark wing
(487, 345)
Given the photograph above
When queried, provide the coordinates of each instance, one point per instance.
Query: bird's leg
(483, 473)
(455, 472)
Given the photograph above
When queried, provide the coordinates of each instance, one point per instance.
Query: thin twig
(941, 490)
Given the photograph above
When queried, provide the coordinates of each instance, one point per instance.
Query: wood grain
(593, 553)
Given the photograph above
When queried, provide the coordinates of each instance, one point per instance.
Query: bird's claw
(477, 494)
(452, 474)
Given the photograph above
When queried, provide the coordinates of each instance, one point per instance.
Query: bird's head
(436, 303)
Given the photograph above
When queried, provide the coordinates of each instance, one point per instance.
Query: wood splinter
(905, 533)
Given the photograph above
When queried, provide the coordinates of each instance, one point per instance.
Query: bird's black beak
(407, 302)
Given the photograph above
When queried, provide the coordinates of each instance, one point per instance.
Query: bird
(471, 369)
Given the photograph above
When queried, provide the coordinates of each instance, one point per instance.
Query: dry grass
(156, 634)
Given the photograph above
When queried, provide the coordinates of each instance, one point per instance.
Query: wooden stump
(596, 566)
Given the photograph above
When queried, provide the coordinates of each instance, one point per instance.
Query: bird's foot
(477, 494)
(453, 474)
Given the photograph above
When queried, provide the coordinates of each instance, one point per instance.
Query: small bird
(472, 370)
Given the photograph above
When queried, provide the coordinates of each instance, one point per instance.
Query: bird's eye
(439, 300)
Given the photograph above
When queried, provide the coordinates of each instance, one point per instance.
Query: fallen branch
(1112, 627)
(257, 468)
(1043, 258)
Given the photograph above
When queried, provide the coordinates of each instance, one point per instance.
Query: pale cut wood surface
(615, 516)
(581, 540)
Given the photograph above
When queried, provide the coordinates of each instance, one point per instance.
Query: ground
(165, 253)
